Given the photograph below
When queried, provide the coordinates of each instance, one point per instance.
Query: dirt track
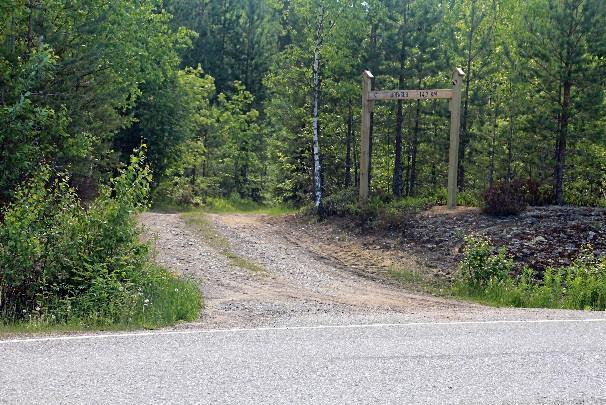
(304, 281)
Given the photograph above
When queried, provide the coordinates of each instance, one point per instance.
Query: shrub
(537, 194)
(505, 198)
(480, 266)
(60, 262)
(487, 277)
(342, 203)
(470, 199)
(380, 210)
(176, 191)
(582, 192)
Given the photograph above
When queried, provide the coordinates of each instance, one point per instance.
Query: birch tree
(317, 81)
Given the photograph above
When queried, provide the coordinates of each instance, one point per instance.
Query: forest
(223, 95)
(108, 107)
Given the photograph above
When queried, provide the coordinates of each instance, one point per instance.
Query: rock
(538, 239)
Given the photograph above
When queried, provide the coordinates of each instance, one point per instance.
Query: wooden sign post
(365, 141)
(453, 95)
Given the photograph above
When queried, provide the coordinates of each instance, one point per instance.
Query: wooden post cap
(367, 74)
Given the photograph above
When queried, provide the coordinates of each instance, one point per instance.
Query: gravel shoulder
(304, 281)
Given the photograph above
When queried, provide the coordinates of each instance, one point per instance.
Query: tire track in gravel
(300, 287)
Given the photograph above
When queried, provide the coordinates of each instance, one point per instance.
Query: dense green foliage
(382, 211)
(488, 277)
(60, 262)
(533, 97)
(222, 93)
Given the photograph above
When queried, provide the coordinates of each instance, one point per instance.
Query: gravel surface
(299, 286)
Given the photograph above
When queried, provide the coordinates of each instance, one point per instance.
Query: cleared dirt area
(300, 280)
(539, 237)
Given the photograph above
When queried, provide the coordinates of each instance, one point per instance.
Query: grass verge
(199, 220)
(419, 281)
(236, 205)
(216, 205)
(487, 277)
(156, 299)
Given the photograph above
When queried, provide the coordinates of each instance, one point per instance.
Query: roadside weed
(488, 277)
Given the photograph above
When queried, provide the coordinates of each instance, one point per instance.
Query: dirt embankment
(433, 240)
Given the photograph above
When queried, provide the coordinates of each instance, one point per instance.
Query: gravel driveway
(297, 286)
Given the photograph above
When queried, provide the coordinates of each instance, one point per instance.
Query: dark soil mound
(540, 237)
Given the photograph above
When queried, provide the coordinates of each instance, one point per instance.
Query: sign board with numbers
(409, 94)
(369, 96)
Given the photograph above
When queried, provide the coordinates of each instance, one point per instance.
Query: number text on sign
(410, 94)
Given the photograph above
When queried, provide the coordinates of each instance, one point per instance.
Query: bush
(180, 191)
(487, 277)
(381, 210)
(342, 203)
(469, 199)
(581, 192)
(480, 266)
(505, 198)
(60, 262)
(537, 194)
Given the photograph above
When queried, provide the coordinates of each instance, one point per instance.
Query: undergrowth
(225, 205)
(235, 204)
(487, 277)
(65, 264)
(385, 211)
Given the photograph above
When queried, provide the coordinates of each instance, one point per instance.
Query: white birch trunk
(316, 110)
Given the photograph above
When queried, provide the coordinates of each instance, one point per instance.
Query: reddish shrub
(505, 198)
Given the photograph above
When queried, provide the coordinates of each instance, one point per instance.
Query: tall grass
(156, 298)
(487, 277)
(234, 204)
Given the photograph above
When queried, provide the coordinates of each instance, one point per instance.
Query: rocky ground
(539, 238)
(316, 274)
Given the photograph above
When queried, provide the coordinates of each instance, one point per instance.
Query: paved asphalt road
(459, 362)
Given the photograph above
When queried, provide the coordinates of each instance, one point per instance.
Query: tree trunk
(414, 143)
(249, 48)
(370, 136)
(464, 122)
(372, 65)
(561, 144)
(284, 38)
(397, 167)
(355, 166)
(347, 182)
(493, 145)
(316, 111)
(510, 142)
(223, 33)
(30, 30)
(434, 170)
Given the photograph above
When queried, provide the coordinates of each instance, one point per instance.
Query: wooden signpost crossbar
(409, 94)
(369, 97)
